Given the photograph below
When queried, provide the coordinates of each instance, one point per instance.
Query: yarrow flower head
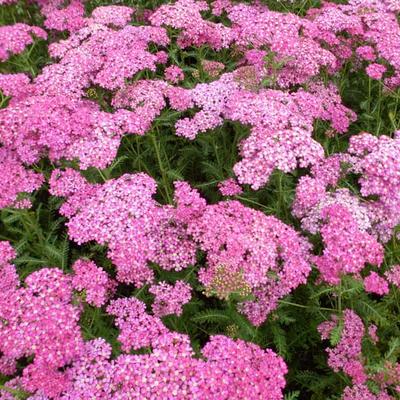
(38, 320)
(346, 355)
(174, 74)
(373, 283)
(376, 71)
(16, 180)
(169, 299)
(393, 275)
(241, 240)
(93, 280)
(15, 38)
(230, 187)
(122, 214)
(195, 31)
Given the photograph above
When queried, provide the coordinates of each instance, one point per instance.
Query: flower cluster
(195, 31)
(286, 36)
(347, 249)
(16, 180)
(373, 283)
(38, 320)
(353, 224)
(367, 29)
(61, 128)
(171, 371)
(169, 299)
(160, 270)
(282, 123)
(272, 258)
(62, 16)
(393, 275)
(15, 38)
(174, 74)
(123, 214)
(93, 280)
(346, 355)
(229, 187)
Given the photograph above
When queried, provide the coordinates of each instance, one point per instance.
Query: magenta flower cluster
(40, 319)
(346, 356)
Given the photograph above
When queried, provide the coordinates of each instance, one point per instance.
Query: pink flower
(93, 280)
(372, 329)
(174, 74)
(169, 299)
(373, 283)
(393, 275)
(229, 187)
(376, 71)
(346, 355)
(366, 53)
(118, 16)
(15, 38)
(16, 180)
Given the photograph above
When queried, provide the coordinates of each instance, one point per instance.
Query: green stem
(340, 297)
(302, 306)
(18, 393)
(253, 202)
(162, 169)
(101, 174)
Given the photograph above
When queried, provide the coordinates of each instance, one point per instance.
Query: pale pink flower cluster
(393, 275)
(231, 370)
(139, 103)
(356, 223)
(39, 320)
(61, 127)
(14, 85)
(362, 392)
(369, 24)
(89, 54)
(282, 124)
(347, 249)
(118, 16)
(63, 16)
(325, 328)
(286, 36)
(376, 71)
(377, 161)
(137, 328)
(347, 356)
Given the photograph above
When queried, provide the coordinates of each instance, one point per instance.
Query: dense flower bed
(199, 200)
